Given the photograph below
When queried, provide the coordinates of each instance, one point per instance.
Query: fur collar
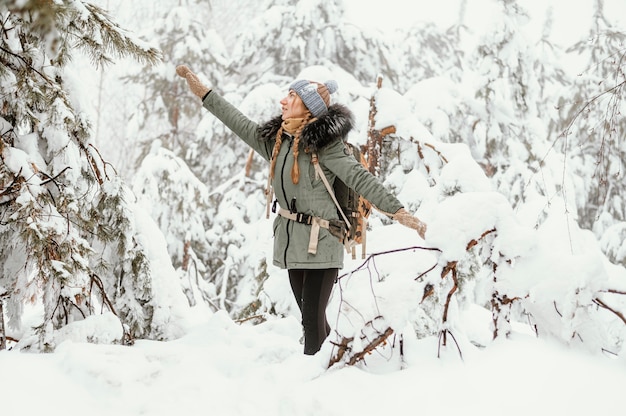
(336, 124)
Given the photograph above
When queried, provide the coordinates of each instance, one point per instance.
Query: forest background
(102, 164)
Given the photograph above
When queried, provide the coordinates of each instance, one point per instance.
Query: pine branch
(26, 63)
(114, 39)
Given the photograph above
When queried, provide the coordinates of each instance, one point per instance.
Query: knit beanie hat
(316, 97)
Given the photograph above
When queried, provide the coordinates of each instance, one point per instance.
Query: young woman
(310, 131)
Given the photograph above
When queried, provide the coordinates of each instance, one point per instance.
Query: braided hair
(279, 141)
(295, 170)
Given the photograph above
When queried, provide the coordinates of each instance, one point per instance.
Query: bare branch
(607, 307)
(371, 257)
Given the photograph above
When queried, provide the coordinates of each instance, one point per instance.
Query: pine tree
(594, 130)
(179, 203)
(183, 39)
(513, 94)
(291, 35)
(68, 230)
(176, 199)
(428, 52)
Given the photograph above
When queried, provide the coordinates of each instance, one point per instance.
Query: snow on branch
(551, 305)
(107, 37)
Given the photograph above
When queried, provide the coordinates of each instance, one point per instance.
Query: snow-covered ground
(222, 368)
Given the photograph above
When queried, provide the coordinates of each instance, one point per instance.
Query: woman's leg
(316, 290)
(296, 279)
(311, 289)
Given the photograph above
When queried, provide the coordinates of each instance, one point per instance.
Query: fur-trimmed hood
(336, 123)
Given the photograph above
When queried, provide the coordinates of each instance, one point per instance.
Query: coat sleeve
(239, 123)
(354, 175)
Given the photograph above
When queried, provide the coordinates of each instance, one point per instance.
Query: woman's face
(292, 106)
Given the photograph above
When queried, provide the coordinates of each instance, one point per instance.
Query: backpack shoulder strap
(320, 173)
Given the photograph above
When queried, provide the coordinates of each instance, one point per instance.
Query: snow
(228, 369)
(220, 366)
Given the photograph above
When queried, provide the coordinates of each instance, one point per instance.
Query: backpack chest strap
(319, 172)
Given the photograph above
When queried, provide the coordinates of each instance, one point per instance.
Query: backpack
(353, 206)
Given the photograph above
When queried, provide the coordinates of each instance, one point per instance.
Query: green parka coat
(323, 136)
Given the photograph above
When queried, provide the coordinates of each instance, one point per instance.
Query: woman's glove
(408, 220)
(195, 85)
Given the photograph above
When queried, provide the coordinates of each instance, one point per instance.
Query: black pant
(312, 288)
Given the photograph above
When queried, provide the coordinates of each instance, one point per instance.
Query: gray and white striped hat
(308, 93)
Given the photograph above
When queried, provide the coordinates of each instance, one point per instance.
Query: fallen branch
(262, 318)
(382, 338)
(344, 347)
(472, 243)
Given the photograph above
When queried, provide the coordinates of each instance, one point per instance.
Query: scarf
(291, 125)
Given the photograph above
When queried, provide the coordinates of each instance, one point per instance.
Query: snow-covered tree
(183, 38)
(594, 128)
(428, 52)
(167, 118)
(68, 230)
(291, 35)
(179, 203)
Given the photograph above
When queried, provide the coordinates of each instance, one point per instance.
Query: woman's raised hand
(195, 85)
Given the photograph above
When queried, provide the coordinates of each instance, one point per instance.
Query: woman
(309, 131)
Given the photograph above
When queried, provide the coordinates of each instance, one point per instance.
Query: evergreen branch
(12, 188)
(26, 64)
(104, 162)
(53, 179)
(114, 39)
(95, 279)
(92, 161)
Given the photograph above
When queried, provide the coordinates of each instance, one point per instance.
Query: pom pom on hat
(309, 93)
(331, 85)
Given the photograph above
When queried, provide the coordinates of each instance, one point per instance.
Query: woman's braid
(295, 171)
(279, 140)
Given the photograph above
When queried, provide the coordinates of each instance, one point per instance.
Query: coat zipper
(282, 185)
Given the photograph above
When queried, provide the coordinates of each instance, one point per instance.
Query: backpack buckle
(303, 218)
